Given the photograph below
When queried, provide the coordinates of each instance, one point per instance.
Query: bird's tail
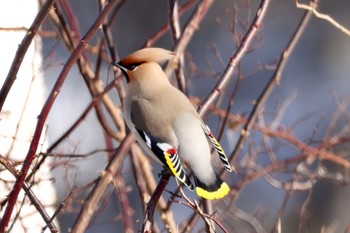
(216, 190)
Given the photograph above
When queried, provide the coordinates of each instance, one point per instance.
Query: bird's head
(144, 62)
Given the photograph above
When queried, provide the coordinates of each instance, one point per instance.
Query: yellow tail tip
(211, 195)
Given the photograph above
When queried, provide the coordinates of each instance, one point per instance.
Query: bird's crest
(148, 55)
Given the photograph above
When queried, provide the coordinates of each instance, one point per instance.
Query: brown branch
(20, 53)
(61, 206)
(153, 39)
(102, 184)
(273, 82)
(151, 205)
(45, 112)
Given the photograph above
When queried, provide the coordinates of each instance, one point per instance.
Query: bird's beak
(117, 64)
(122, 68)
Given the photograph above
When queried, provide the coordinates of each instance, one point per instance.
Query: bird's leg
(164, 172)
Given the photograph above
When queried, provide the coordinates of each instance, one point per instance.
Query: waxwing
(167, 125)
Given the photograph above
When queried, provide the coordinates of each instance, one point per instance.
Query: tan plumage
(163, 118)
(147, 55)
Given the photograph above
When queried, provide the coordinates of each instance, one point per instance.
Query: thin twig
(95, 86)
(273, 82)
(190, 28)
(209, 219)
(281, 211)
(236, 58)
(153, 39)
(102, 184)
(306, 149)
(249, 219)
(320, 152)
(151, 205)
(73, 24)
(121, 190)
(33, 199)
(127, 211)
(312, 8)
(20, 53)
(60, 207)
(138, 175)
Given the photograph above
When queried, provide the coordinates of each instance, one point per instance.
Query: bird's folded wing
(167, 154)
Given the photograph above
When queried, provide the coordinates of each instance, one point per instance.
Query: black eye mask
(132, 66)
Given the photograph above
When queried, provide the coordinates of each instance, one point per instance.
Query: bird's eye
(133, 66)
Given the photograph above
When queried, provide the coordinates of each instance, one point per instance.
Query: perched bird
(167, 125)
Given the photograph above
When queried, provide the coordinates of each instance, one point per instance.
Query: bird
(167, 125)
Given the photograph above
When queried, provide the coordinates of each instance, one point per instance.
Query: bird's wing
(217, 147)
(167, 154)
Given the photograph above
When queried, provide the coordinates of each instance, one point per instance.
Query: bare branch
(312, 8)
(166, 27)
